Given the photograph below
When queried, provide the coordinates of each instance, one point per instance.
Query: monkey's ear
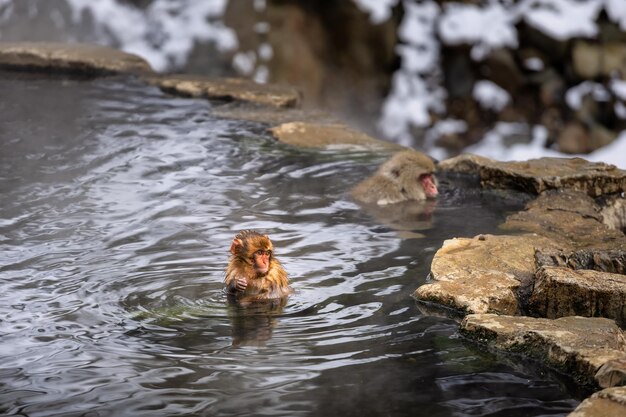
(237, 243)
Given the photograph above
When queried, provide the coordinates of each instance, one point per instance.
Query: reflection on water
(118, 207)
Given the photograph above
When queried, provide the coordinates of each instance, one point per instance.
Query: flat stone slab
(577, 346)
(569, 217)
(537, 175)
(77, 58)
(561, 292)
(484, 274)
(229, 89)
(606, 403)
(328, 136)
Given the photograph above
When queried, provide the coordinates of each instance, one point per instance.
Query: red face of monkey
(261, 261)
(429, 185)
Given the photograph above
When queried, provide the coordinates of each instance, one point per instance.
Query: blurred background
(508, 79)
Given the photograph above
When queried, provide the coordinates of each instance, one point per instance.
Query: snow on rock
(563, 19)
(494, 145)
(416, 89)
(490, 95)
(165, 32)
(420, 53)
(486, 27)
(616, 10)
(379, 10)
(574, 96)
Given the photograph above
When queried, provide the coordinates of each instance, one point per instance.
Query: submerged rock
(537, 175)
(605, 403)
(485, 274)
(76, 58)
(336, 135)
(229, 89)
(577, 346)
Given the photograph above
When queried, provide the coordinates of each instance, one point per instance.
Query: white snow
(486, 27)
(534, 64)
(563, 19)
(165, 32)
(420, 51)
(244, 62)
(618, 87)
(616, 10)
(490, 95)
(575, 95)
(379, 10)
(493, 146)
(415, 90)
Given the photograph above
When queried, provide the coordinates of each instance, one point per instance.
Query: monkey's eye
(262, 252)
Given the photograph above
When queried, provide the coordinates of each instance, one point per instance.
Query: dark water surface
(118, 207)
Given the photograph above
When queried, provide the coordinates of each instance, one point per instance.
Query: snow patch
(563, 19)
(165, 32)
(485, 28)
(379, 10)
(490, 95)
(575, 95)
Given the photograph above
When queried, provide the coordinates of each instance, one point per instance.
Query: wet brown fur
(396, 180)
(273, 284)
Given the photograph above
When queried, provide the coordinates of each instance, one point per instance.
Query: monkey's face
(259, 250)
(429, 183)
(261, 261)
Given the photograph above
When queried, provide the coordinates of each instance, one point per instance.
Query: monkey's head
(412, 172)
(254, 249)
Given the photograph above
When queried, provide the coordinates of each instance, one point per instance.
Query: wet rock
(330, 136)
(561, 292)
(612, 373)
(537, 175)
(485, 274)
(569, 217)
(74, 58)
(577, 346)
(229, 89)
(608, 402)
(614, 213)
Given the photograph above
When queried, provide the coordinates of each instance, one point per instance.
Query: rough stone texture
(83, 59)
(614, 213)
(309, 135)
(229, 89)
(606, 403)
(612, 373)
(538, 175)
(561, 292)
(568, 217)
(613, 261)
(483, 274)
(577, 346)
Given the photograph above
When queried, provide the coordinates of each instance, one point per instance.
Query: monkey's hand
(241, 284)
